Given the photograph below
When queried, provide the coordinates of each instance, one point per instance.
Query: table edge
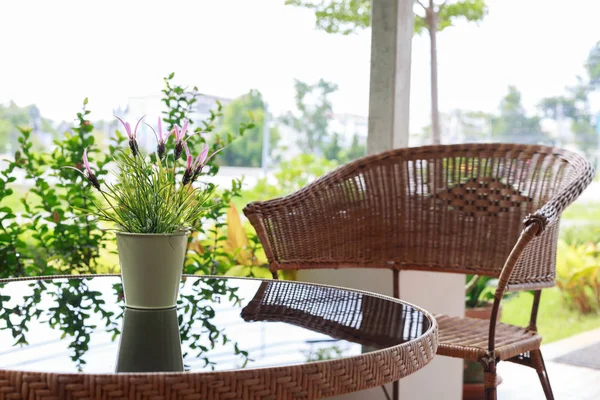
(400, 361)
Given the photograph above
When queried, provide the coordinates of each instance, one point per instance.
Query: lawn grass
(555, 321)
(582, 211)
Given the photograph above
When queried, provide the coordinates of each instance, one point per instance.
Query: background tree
(346, 16)
(474, 126)
(245, 151)
(592, 66)
(314, 113)
(336, 150)
(568, 108)
(514, 125)
(574, 107)
(12, 117)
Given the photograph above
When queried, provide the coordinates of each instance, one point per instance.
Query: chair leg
(386, 393)
(396, 390)
(538, 363)
(490, 381)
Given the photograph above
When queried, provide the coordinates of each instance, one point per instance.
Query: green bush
(479, 290)
(290, 176)
(45, 236)
(580, 234)
(578, 275)
(50, 236)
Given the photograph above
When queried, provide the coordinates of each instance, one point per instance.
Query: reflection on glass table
(149, 342)
(72, 337)
(70, 325)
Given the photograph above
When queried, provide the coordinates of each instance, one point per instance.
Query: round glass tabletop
(81, 325)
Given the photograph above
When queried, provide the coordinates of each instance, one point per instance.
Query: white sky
(55, 53)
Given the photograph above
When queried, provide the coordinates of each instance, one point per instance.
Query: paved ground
(568, 382)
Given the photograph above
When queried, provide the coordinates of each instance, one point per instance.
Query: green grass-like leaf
(148, 198)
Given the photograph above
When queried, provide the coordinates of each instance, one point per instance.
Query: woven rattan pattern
(303, 381)
(486, 209)
(472, 335)
(456, 208)
(390, 325)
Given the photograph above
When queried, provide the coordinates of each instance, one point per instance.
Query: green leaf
(348, 16)
(261, 272)
(239, 270)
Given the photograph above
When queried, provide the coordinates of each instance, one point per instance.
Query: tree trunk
(435, 114)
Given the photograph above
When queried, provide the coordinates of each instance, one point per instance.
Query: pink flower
(132, 135)
(179, 138)
(88, 171)
(180, 133)
(160, 139)
(194, 167)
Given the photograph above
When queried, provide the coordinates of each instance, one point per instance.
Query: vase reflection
(150, 342)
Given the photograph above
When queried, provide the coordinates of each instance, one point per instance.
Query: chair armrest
(280, 218)
(314, 226)
(549, 213)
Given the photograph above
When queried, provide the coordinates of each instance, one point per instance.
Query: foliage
(148, 197)
(479, 290)
(312, 118)
(207, 253)
(245, 249)
(67, 305)
(578, 275)
(580, 234)
(246, 151)
(291, 176)
(514, 125)
(12, 245)
(575, 108)
(72, 302)
(196, 319)
(12, 116)
(179, 102)
(334, 150)
(555, 321)
(44, 239)
(471, 123)
(347, 16)
(592, 66)
(325, 353)
(47, 239)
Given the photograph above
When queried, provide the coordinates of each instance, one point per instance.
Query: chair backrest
(455, 208)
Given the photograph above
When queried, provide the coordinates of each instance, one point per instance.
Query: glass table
(229, 338)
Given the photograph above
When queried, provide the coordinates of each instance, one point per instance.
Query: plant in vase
(154, 204)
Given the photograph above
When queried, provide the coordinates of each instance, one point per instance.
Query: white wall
(435, 292)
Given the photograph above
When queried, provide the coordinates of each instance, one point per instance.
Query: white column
(392, 31)
(391, 43)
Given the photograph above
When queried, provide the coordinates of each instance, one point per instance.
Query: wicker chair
(487, 209)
